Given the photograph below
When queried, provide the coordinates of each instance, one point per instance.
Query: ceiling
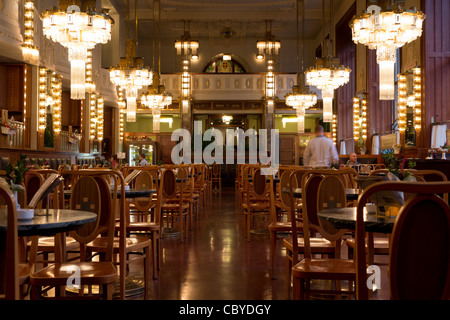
(208, 17)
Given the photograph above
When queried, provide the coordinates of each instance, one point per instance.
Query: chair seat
(24, 273)
(143, 226)
(256, 205)
(334, 269)
(174, 206)
(318, 245)
(381, 245)
(90, 273)
(132, 243)
(48, 244)
(282, 226)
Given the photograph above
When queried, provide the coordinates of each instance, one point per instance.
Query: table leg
(370, 248)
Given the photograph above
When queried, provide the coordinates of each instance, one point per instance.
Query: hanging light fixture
(328, 75)
(78, 27)
(386, 28)
(300, 98)
(155, 98)
(269, 48)
(131, 74)
(187, 50)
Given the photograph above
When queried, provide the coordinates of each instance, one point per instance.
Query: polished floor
(217, 263)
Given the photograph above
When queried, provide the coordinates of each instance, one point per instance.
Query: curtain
(438, 135)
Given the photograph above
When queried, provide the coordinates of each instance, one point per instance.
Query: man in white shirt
(320, 151)
(143, 161)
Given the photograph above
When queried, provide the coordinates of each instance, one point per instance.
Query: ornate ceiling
(208, 17)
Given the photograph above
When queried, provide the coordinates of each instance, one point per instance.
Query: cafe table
(52, 222)
(352, 194)
(345, 218)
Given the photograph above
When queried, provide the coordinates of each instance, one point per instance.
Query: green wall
(144, 123)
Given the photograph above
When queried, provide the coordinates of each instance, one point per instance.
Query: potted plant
(362, 145)
(15, 177)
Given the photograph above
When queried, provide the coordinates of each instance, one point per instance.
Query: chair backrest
(331, 194)
(9, 271)
(258, 188)
(216, 170)
(33, 181)
(419, 257)
(92, 192)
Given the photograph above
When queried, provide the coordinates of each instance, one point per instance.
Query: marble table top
(57, 220)
(352, 194)
(345, 218)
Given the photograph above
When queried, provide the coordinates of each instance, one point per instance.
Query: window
(218, 65)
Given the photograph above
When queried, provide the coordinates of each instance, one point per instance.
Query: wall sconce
(334, 128)
(259, 57)
(360, 117)
(418, 98)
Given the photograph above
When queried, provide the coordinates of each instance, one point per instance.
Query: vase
(22, 214)
(443, 156)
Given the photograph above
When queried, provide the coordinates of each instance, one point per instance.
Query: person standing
(142, 160)
(320, 151)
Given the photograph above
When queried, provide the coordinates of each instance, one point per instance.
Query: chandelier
(386, 28)
(79, 28)
(269, 48)
(131, 74)
(186, 47)
(328, 74)
(300, 98)
(155, 98)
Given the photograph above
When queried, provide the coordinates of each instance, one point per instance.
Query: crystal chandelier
(300, 98)
(327, 75)
(155, 98)
(79, 28)
(386, 28)
(131, 75)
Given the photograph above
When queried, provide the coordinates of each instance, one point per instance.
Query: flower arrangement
(8, 128)
(444, 147)
(15, 174)
(335, 165)
(73, 138)
(396, 165)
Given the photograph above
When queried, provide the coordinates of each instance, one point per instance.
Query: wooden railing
(13, 138)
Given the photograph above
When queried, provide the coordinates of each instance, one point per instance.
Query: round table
(50, 223)
(129, 193)
(345, 218)
(352, 194)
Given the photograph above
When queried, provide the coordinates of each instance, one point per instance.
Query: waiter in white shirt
(320, 151)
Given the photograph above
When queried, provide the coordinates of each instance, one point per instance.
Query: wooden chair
(282, 203)
(421, 226)
(216, 176)
(14, 275)
(381, 244)
(257, 202)
(90, 193)
(127, 249)
(46, 246)
(331, 191)
(152, 204)
(174, 207)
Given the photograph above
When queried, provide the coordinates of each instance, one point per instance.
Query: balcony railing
(13, 136)
(70, 143)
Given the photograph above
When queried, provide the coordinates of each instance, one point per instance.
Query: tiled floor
(216, 262)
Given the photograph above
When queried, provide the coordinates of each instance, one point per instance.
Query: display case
(148, 147)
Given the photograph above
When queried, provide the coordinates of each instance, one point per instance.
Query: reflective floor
(217, 263)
